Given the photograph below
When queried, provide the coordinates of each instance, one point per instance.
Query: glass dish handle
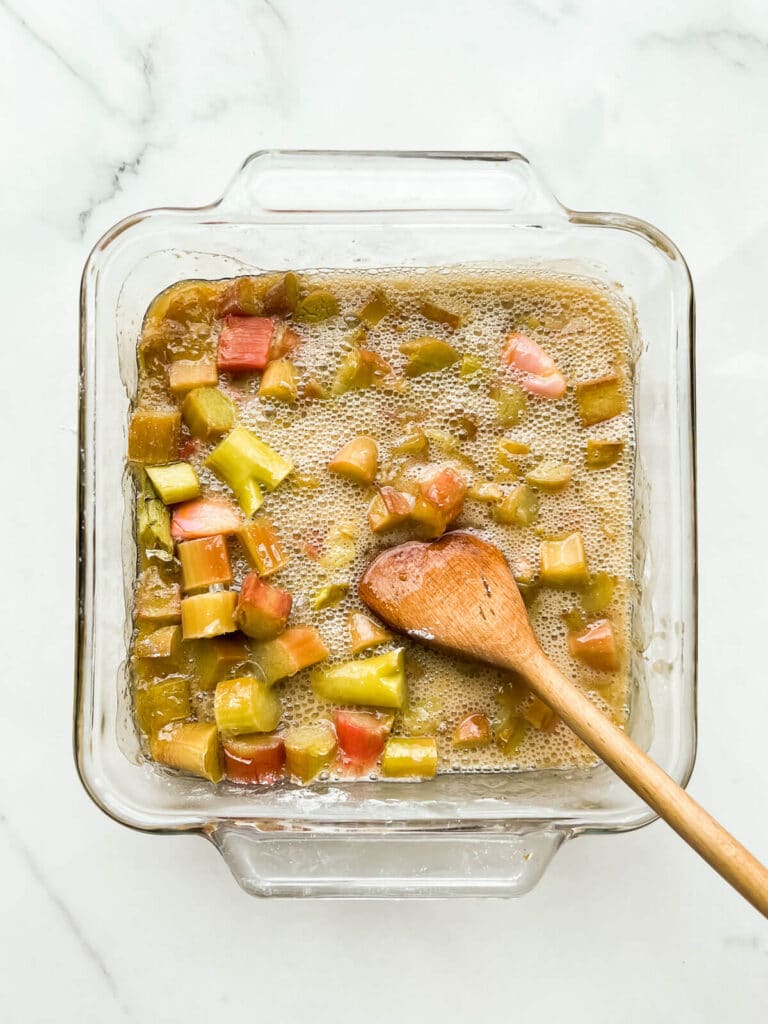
(279, 183)
(349, 864)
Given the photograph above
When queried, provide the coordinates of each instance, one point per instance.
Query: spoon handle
(671, 802)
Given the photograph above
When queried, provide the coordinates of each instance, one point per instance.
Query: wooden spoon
(458, 593)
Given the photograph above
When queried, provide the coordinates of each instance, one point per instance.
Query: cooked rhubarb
(153, 526)
(409, 757)
(161, 703)
(428, 355)
(341, 547)
(204, 562)
(208, 413)
(424, 717)
(218, 657)
(254, 757)
(364, 633)
(243, 461)
(283, 296)
(209, 614)
(597, 593)
(361, 735)
(374, 311)
(157, 601)
(175, 483)
(289, 653)
(564, 561)
(317, 306)
(389, 508)
(329, 595)
(432, 311)
(246, 705)
(279, 382)
(472, 731)
(378, 681)
(262, 547)
(204, 518)
(601, 399)
(262, 610)
(153, 435)
(244, 343)
(309, 750)
(538, 714)
(511, 404)
(357, 460)
(186, 374)
(158, 643)
(189, 746)
(602, 454)
(360, 369)
(596, 646)
(540, 375)
(412, 442)
(550, 476)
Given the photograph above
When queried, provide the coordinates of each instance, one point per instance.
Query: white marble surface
(656, 109)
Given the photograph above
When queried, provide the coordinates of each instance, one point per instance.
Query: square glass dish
(458, 834)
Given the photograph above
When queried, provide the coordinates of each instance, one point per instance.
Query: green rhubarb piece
(439, 315)
(153, 435)
(317, 306)
(329, 595)
(162, 703)
(175, 483)
(601, 399)
(309, 749)
(597, 593)
(602, 454)
(246, 705)
(509, 451)
(154, 525)
(424, 718)
(216, 658)
(520, 507)
(550, 476)
(428, 355)
(374, 311)
(409, 757)
(470, 365)
(283, 296)
(564, 561)
(158, 643)
(243, 462)
(157, 602)
(279, 382)
(360, 369)
(412, 442)
(511, 404)
(377, 681)
(208, 413)
(190, 747)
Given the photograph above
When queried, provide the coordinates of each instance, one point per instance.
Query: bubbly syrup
(589, 331)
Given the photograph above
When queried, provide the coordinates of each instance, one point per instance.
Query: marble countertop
(654, 109)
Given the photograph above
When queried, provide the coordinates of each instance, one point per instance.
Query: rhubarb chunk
(362, 735)
(309, 750)
(597, 593)
(518, 508)
(157, 602)
(158, 643)
(360, 369)
(217, 658)
(208, 413)
(550, 476)
(186, 374)
(511, 404)
(389, 508)
(262, 610)
(564, 561)
(428, 355)
(243, 462)
(244, 343)
(439, 502)
(364, 633)
(209, 614)
(409, 757)
(317, 306)
(254, 758)
(189, 746)
(438, 315)
(175, 483)
(472, 732)
(282, 296)
(262, 547)
(246, 705)
(357, 460)
(378, 681)
(162, 703)
(153, 435)
(329, 595)
(204, 518)
(601, 399)
(412, 442)
(204, 562)
(602, 454)
(289, 653)
(279, 382)
(539, 715)
(374, 311)
(596, 646)
(424, 718)
(540, 374)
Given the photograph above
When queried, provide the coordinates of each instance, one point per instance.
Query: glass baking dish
(472, 834)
